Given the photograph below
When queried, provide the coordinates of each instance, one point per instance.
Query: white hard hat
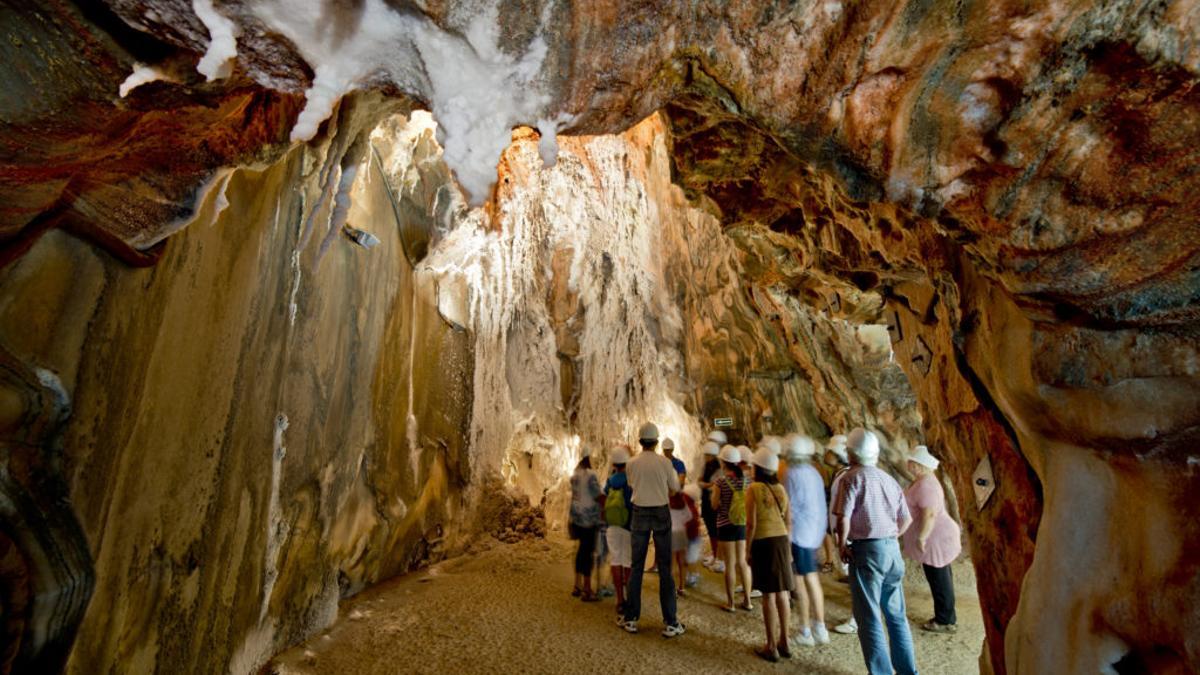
(766, 458)
(800, 447)
(711, 448)
(836, 441)
(863, 446)
(730, 455)
(648, 432)
(773, 443)
(668, 444)
(619, 456)
(718, 437)
(922, 456)
(745, 453)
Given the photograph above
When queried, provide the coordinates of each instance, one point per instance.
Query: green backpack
(737, 505)
(616, 512)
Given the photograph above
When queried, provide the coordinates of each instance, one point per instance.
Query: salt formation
(217, 62)
(142, 74)
(478, 90)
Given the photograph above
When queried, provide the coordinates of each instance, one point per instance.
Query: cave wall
(600, 297)
(258, 427)
(1012, 179)
(272, 417)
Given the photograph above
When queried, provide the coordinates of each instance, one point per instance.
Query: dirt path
(509, 610)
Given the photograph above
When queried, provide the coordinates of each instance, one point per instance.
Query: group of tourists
(775, 518)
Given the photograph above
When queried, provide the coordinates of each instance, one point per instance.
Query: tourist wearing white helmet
(773, 443)
(729, 501)
(934, 540)
(806, 499)
(618, 506)
(717, 436)
(871, 513)
(653, 480)
(745, 454)
(767, 523)
(668, 448)
(776, 444)
(707, 513)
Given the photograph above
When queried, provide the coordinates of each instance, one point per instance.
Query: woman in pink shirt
(934, 540)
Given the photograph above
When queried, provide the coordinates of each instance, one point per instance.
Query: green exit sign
(723, 421)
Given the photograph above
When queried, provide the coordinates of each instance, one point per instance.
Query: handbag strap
(771, 489)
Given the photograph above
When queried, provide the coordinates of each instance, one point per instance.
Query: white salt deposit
(217, 62)
(548, 143)
(142, 74)
(478, 91)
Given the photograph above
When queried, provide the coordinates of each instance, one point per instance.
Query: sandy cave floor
(509, 609)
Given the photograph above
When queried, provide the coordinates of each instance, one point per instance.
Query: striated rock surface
(1008, 184)
(259, 425)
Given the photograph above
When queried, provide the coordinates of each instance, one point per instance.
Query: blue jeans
(656, 521)
(876, 583)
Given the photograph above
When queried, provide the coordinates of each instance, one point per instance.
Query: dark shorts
(731, 533)
(804, 560)
(770, 565)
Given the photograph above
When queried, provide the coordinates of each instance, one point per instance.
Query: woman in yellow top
(768, 521)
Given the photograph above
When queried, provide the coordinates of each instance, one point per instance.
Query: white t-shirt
(652, 478)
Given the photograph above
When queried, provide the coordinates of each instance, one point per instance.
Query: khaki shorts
(620, 547)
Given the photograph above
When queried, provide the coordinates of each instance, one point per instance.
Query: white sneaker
(718, 567)
(820, 633)
(755, 593)
(848, 628)
(674, 631)
(805, 640)
(630, 626)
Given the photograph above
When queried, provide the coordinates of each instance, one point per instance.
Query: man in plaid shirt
(871, 513)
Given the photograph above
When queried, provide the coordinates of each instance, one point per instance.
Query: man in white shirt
(653, 480)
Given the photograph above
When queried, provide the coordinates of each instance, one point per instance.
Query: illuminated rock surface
(1008, 186)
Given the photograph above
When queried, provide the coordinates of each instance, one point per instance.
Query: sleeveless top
(770, 503)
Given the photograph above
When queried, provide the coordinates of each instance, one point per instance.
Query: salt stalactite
(479, 91)
(142, 74)
(217, 62)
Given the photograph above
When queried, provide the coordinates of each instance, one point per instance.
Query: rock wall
(599, 297)
(1012, 181)
(258, 427)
